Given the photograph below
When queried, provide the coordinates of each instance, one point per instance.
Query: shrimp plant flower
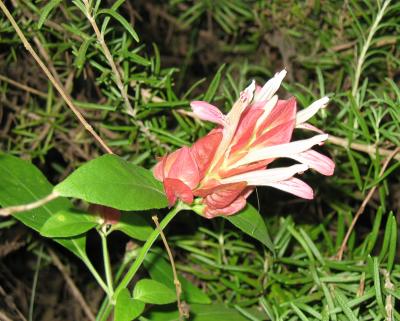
(223, 168)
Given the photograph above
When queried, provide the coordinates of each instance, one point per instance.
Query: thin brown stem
(118, 76)
(371, 192)
(369, 149)
(23, 87)
(6, 211)
(72, 286)
(110, 60)
(183, 311)
(52, 78)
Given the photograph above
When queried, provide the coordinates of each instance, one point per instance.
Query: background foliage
(175, 51)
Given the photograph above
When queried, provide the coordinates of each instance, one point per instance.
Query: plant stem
(361, 59)
(96, 275)
(61, 90)
(107, 265)
(142, 255)
(34, 284)
(146, 247)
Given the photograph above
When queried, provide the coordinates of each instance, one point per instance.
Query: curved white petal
(247, 94)
(208, 112)
(296, 187)
(305, 114)
(270, 87)
(282, 150)
(266, 176)
(317, 161)
(308, 126)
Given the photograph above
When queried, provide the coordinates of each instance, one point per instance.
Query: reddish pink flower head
(224, 167)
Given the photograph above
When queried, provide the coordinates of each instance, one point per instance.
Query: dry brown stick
(183, 311)
(109, 57)
(8, 300)
(118, 79)
(6, 211)
(371, 192)
(24, 87)
(53, 80)
(72, 286)
(4, 317)
(369, 149)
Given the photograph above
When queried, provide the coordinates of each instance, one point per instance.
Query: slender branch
(72, 286)
(53, 80)
(6, 211)
(4, 317)
(108, 55)
(369, 149)
(118, 79)
(142, 255)
(34, 283)
(107, 265)
(389, 306)
(183, 311)
(371, 192)
(23, 87)
(146, 247)
(361, 58)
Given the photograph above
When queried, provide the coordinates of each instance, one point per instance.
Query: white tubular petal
(247, 94)
(316, 161)
(208, 112)
(266, 176)
(308, 126)
(305, 114)
(270, 87)
(282, 150)
(267, 110)
(296, 187)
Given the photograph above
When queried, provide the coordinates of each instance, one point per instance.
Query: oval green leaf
(22, 183)
(161, 271)
(252, 223)
(199, 312)
(127, 308)
(67, 223)
(153, 292)
(111, 181)
(134, 225)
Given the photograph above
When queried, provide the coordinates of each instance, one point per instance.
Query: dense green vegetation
(132, 72)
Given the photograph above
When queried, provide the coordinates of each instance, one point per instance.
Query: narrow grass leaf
(46, 11)
(121, 20)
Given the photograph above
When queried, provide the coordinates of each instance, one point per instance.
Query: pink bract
(225, 166)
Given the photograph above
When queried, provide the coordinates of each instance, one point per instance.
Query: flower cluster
(224, 167)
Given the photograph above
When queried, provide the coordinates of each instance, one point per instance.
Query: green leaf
(134, 225)
(198, 312)
(161, 271)
(81, 56)
(343, 303)
(150, 291)
(212, 89)
(112, 181)
(392, 243)
(66, 223)
(252, 223)
(356, 171)
(126, 308)
(46, 11)
(23, 183)
(121, 20)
